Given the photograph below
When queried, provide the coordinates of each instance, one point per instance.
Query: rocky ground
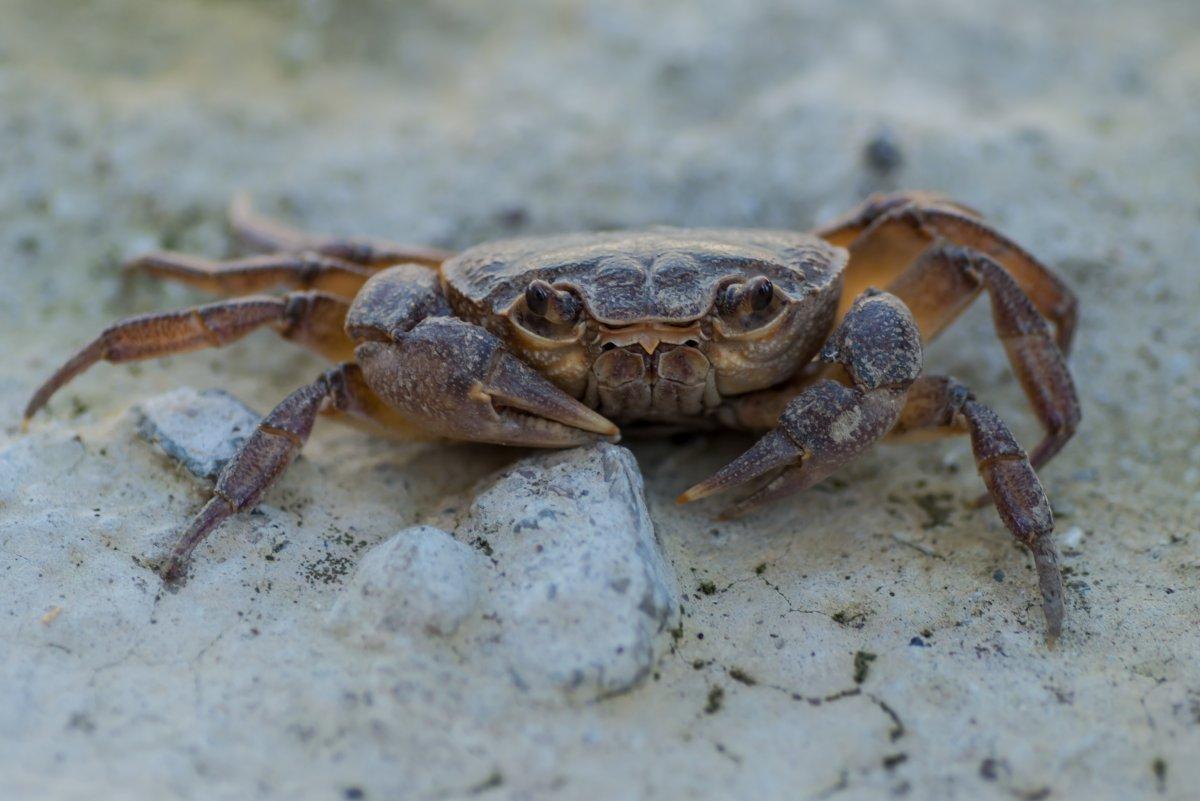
(871, 637)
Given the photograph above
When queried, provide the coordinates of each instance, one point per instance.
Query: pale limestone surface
(127, 125)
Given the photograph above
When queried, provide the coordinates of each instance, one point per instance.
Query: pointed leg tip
(1045, 559)
(137, 264)
(698, 492)
(1054, 627)
(34, 406)
(980, 501)
(174, 570)
(240, 202)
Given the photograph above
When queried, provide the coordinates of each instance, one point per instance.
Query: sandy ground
(872, 637)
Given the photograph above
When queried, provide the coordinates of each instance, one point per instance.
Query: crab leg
(887, 233)
(945, 279)
(264, 234)
(255, 274)
(313, 319)
(940, 402)
(266, 454)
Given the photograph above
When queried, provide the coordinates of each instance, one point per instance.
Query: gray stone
(200, 430)
(580, 589)
(556, 563)
(421, 581)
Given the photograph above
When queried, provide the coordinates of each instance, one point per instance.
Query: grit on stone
(871, 637)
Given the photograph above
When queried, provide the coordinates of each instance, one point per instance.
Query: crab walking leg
(945, 279)
(887, 233)
(262, 233)
(877, 350)
(255, 274)
(941, 403)
(266, 454)
(312, 319)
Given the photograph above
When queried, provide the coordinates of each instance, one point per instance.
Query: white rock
(580, 588)
(1072, 537)
(576, 594)
(201, 430)
(421, 581)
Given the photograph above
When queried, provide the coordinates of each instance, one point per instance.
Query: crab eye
(537, 297)
(754, 295)
(556, 305)
(548, 312)
(750, 305)
(760, 292)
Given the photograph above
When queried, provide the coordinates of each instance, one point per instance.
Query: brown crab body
(653, 345)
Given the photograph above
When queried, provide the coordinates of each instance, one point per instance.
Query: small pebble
(882, 152)
(1072, 537)
(1062, 507)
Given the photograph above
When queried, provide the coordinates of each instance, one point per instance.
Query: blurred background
(126, 125)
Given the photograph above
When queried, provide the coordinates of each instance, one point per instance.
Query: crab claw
(774, 465)
(458, 380)
(526, 406)
(820, 430)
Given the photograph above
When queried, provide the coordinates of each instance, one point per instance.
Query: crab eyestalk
(555, 305)
(752, 296)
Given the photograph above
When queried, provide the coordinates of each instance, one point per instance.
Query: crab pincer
(821, 430)
(456, 379)
(877, 349)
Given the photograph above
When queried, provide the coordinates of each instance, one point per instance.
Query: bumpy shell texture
(662, 274)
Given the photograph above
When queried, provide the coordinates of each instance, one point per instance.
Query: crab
(814, 341)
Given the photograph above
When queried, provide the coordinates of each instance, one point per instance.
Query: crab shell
(652, 342)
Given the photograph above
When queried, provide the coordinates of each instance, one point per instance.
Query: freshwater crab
(815, 340)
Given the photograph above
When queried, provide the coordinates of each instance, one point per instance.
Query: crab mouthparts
(651, 335)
